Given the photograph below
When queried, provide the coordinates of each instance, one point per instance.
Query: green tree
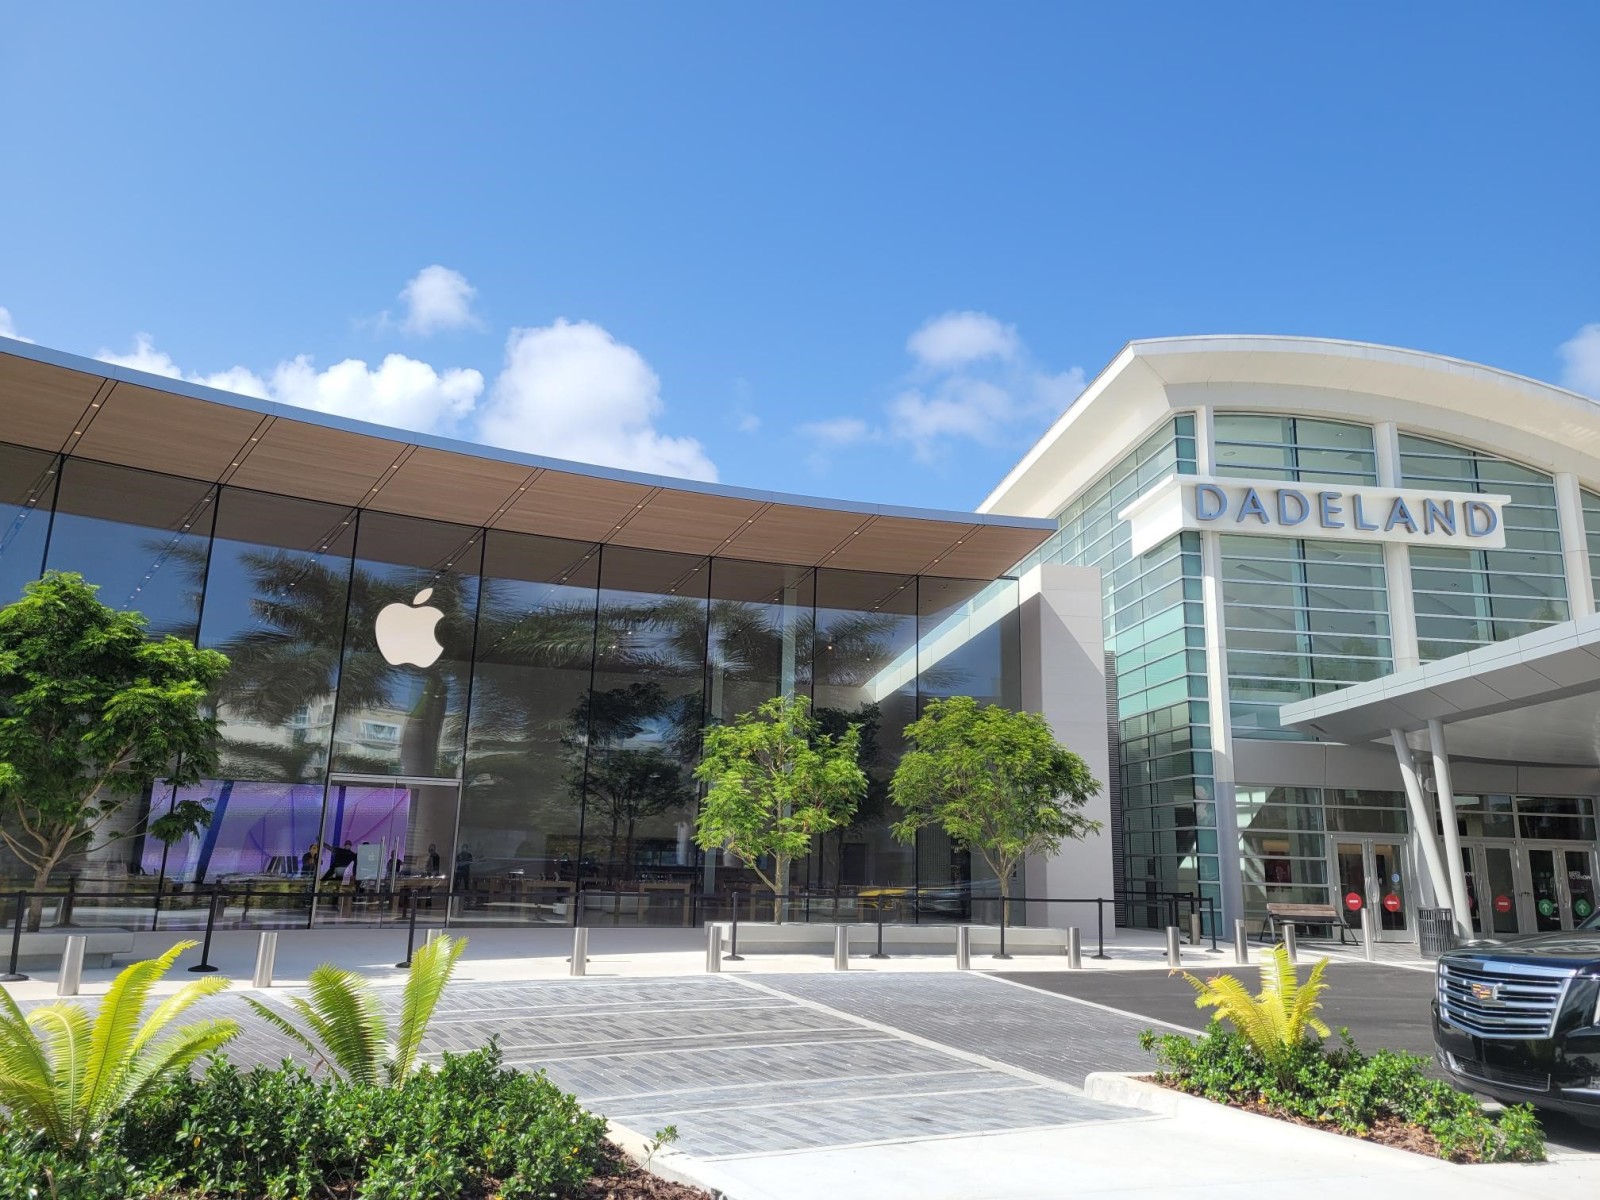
(774, 780)
(995, 780)
(92, 713)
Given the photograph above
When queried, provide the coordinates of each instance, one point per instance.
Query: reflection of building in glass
(457, 668)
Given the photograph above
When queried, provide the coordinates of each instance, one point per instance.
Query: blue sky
(859, 250)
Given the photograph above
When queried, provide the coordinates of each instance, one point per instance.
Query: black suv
(1518, 1020)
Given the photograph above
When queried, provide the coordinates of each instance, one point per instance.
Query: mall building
(1321, 615)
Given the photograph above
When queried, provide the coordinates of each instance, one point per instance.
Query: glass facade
(416, 706)
(1154, 627)
(1254, 446)
(1467, 598)
(1284, 835)
(1303, 618)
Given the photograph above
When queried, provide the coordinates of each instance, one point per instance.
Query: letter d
(1210, 501)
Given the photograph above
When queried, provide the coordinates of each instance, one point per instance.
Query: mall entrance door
(1494, 895)
(388, 843)
(1371, 874)
(1560, 886)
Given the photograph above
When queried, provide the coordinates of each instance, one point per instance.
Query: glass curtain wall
(1467, 598)
(415, 706)
(1155, 641)
(1283, 838)
(1591, 528)
(1303, 618)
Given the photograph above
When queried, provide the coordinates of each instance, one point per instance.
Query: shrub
(441, 1132)
(67, 1076)
(1278, 1023)
(344, 1024)
(1344, 1088)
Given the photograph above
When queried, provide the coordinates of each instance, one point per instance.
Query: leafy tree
(68, 1076)
(774, 780)
(92, 713)
(995, 780)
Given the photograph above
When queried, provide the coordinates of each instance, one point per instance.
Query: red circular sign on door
(1352, 900)
(1502, 904)
(1392, 902)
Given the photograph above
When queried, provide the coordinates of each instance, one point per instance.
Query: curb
(1131, 1089)
(665, 1163)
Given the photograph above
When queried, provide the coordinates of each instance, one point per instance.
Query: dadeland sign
(1315, 510)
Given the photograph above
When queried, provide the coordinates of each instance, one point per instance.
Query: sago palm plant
(67, 1075)
(1278, 1020)
(344, 1023)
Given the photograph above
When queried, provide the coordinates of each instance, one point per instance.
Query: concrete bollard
(1194, 929)
(1074, 949)
(580, 950)
(1174, 954)
(841, 947)
(963, 947)
(1241, 944)
(71, 965)
(713, 949)
(266, 956)
(1289, 942)
(1368, 931)
(433, 935)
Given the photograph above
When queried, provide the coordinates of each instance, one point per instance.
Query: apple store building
(456, 668)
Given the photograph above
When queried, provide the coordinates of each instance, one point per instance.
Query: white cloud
(1580, 359)
(840, 431)
(436, 299)
(959, 338)
(571, 390)
(401, 391)
(8, 328)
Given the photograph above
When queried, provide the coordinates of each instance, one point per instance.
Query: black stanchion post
(1211, 915)
(204, 965)
(66, 905)
(880, 953)
(733, 954)
(1100, 927)
(12, 975)
(411, 932)
(1005, 908)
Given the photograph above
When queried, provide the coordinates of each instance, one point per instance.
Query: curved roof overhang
(73, 405)
(1532, 422)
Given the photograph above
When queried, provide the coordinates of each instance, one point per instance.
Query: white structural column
(1064, 681)
(1422, 821)
(1225, 798)
(1452, 835)
(1396, 557)
(1574, 544)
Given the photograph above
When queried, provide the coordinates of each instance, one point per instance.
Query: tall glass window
(27, 491)
(1467, 598)
(522, 803)
(1283, 843)
(1254, 446)
(866, 634)
(407, 648)
(760, 635)
(140, 536)
(276, 596)
(1591, 529)
(641, 724)
(1303, 618)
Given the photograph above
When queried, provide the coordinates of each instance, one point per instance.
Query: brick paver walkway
(746, 1066)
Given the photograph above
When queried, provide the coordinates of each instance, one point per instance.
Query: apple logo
(405, 632)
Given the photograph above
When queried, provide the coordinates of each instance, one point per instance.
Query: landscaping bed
(1270, 1059)
(1385, 1098)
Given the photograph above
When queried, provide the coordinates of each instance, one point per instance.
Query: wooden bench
(1301, 914)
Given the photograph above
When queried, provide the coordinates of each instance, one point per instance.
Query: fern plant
(68, 1076)
(345, 1028)
(1276, 1022)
